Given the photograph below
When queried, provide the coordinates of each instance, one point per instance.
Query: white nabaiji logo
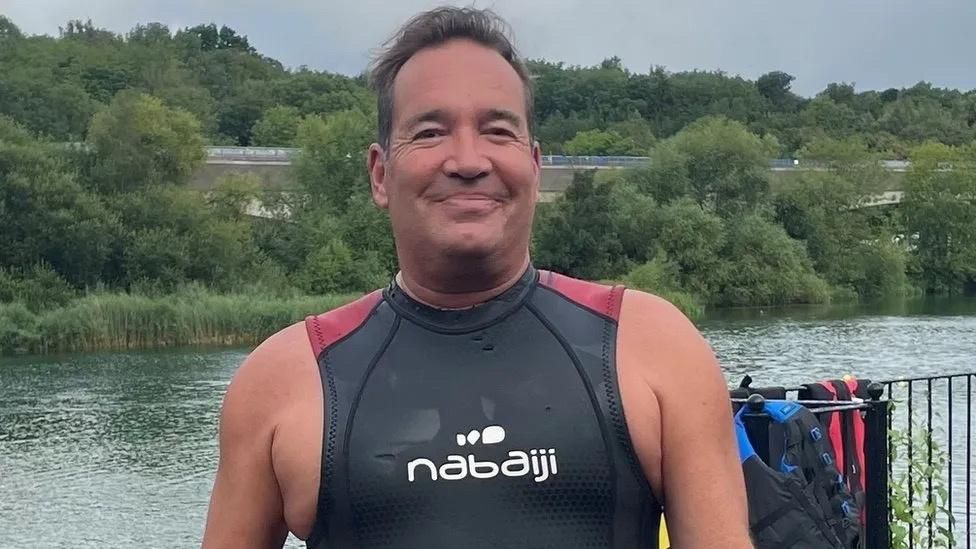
(539, 462)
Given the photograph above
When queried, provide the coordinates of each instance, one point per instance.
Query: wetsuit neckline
(463, 320)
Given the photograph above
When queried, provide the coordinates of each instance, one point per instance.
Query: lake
(119, 449)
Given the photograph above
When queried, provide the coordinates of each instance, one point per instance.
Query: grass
(116, 321)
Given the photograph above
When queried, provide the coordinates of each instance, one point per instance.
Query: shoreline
(107, 322)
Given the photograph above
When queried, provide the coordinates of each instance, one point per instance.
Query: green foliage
(277, 128)
(928, 463)
(138, 141)
(234, 195)
(171, 236)
(330, 168)
(693, 240)
(45, 215)
(635, 221)
(660, 277)
(189, 316)
(38, 288)
(775, 87)
(769, 267)
(333, 268)
(18, 329)
(700, 225)
(602, 143)
(576, 235)
(367, 230)
(940, 217)
(722, 164)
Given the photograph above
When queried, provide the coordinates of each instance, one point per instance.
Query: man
(476, 402)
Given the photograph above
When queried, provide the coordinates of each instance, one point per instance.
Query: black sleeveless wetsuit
(493, 427)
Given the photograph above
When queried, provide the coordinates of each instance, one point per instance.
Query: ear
(376, 165)
(537, 166)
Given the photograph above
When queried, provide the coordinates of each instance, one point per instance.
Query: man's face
(461, 174)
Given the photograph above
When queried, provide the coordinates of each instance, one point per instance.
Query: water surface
(119, 449)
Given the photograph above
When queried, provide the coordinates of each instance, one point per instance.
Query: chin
(471, 246)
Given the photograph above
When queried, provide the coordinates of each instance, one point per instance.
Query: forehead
(460, 77)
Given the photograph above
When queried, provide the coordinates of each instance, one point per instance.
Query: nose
(467, 160)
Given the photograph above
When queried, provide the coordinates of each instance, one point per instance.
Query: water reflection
(117, 449)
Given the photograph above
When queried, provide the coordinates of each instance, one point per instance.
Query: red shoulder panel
(600, 298)
(329, 327)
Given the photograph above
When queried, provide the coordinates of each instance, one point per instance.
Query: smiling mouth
(469, 198)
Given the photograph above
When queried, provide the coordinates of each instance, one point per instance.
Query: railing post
(876, 511)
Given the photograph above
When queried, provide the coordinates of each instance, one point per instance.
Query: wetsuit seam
(619, 420)
(612, 389)
(347, 435)
(320, 528)
(607, 438)
(320, 523)
(318, 335)
(579, 305)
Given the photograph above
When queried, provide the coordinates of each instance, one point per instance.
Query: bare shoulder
(653, 327)
(246, 504)
(267, 375)
(676, 403)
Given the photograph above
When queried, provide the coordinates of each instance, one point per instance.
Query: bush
(18, 329)
(660, 277)
(192, 315)
(38, 288)
(333, 268)
(925, 466)
(767, 267)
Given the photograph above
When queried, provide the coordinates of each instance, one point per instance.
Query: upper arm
(246, 509)
(680, 392)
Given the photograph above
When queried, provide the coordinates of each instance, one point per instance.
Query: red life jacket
(845, 430)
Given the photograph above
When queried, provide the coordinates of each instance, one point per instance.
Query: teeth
(460, 439)
(473, 436)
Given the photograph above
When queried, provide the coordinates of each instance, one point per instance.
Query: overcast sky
(875, 43)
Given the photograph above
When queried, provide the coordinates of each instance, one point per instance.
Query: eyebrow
(441, 116)
(503, 114)
(435, 115)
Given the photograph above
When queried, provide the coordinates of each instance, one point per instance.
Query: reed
(115, 321)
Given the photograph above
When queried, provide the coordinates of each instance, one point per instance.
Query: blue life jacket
(801, 500)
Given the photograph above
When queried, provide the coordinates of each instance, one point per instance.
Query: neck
(460, 288)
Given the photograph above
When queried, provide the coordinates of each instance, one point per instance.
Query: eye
(428, 133)
(502, 131)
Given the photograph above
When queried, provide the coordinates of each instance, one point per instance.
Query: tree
(722, 165)
(635, 220)
(601, 143)
(766, 267)
(692, 239)
(138, 142)
(775, 86)
(8, 30)
(46, 217)
(330, 166)
(576, 234)
(210, 38)
(940, 214)
(277, 128)
(171, 236)
(333, 268)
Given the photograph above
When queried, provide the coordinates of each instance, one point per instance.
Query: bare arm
(685, 438)
(246, 505)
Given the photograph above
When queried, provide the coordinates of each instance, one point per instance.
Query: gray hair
(432, 28)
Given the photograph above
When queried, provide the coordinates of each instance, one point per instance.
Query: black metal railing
(931, 459)
(875, 532)
(918, 460)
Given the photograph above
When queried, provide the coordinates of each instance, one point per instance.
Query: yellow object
(663, 541)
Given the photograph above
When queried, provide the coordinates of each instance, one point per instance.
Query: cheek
(412, 174)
